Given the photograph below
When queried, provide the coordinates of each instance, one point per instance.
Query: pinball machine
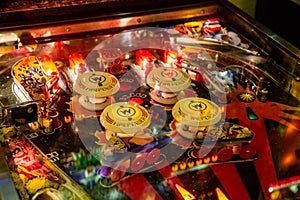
(146, 100)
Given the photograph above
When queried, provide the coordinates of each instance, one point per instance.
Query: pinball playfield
(187, 109)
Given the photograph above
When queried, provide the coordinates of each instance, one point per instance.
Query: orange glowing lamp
(214, 158)
(190, 164)
(143, 57)
(171, 57)
(174, 168)
(35, 126)
(182, 166)
(68, 119)
(47, 123)
(49, 66)
(198, 162)
(206, 160)
(77, 63)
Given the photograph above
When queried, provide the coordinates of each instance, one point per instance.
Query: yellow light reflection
(275, 195)
(184, 193)
(220, 194)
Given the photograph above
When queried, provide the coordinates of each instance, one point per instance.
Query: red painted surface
(137, 187)
(166, 172)
(230, 180)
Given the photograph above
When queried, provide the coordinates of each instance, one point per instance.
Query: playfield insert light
(220, 194)
(48, 65)
(184, 193)
(171, 58)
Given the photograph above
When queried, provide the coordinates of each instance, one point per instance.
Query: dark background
(282, 17)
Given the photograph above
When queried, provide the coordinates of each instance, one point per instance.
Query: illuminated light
(191, 164)
(288, 159)
(250, 113)
(174, 168)
(77, 63)
(171, 57)
(182, 166)
(136, 100)
(214, 158)
(206, 160)
(48, 64)
(198, 161)
(171, 60)
(271, 189)
(127, 56)
(220, 194)
(47, 123)
(184, 193)
(275, 195)
(294, 188)
(68, 119)
(145, 61)
(143, 57)
(290, 130)
(35, 125)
